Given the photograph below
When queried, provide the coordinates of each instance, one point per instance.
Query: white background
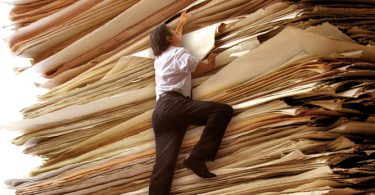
(16, 92)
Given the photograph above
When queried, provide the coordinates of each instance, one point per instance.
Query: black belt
(173, 93)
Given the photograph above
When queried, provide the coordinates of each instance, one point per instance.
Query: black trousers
(170, 120)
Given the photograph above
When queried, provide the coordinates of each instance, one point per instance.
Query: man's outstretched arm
(183, 20)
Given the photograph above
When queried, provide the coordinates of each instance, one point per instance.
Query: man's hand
(205, 67)
(184, 18)
(211, 59)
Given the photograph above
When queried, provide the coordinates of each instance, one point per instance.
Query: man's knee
(227, 110)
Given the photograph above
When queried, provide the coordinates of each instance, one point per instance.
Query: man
(175, 110)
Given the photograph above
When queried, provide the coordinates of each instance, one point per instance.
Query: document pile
(300, 76)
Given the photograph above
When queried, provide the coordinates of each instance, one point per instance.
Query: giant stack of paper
(299, 74)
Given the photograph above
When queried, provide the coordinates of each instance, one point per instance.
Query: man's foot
(198, 166)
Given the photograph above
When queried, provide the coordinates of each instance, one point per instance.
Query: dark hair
(158, 39)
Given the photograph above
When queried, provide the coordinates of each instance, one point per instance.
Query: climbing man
(175, 109)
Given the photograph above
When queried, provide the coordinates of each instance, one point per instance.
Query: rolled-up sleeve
(185, 61)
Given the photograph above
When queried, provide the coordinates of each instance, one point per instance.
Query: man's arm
(183, 20)
(202, 66)
(205, 67)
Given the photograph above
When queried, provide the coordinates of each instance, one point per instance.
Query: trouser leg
(168, 142)
(216, 117)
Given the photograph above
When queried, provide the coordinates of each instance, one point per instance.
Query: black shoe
(198, 166)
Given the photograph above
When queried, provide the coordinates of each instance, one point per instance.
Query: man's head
(162, 37)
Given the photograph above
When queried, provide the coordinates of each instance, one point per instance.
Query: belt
(173, 93)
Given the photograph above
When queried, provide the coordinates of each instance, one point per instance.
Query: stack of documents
(300, 76)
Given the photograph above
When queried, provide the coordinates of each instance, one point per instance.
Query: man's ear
(169, 38)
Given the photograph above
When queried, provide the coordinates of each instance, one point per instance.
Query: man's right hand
(211, 59)
(205, 67)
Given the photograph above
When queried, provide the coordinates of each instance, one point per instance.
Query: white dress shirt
(173, 70)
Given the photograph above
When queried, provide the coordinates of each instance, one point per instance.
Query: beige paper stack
(300, 78)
